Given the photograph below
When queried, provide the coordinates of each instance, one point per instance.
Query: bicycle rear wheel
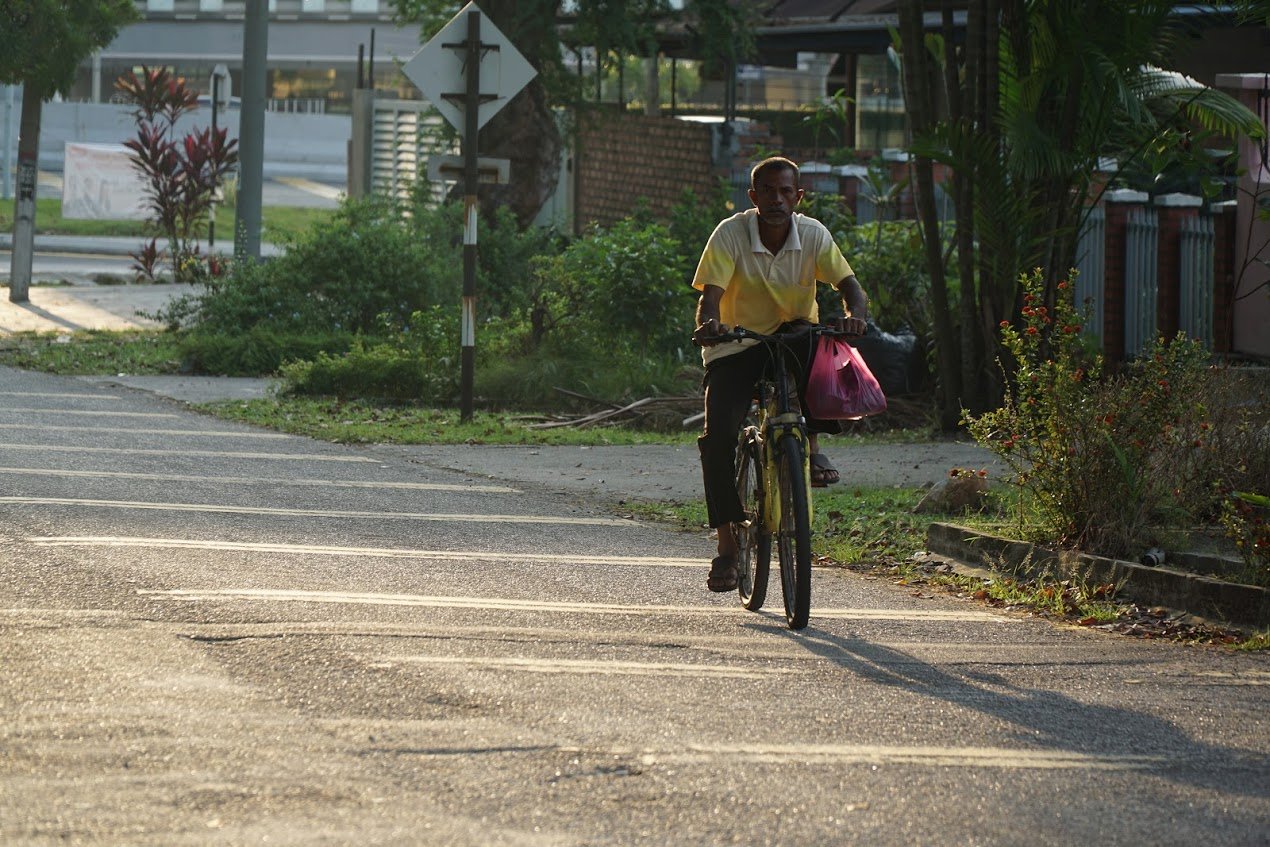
(794, 537)
(753, 539)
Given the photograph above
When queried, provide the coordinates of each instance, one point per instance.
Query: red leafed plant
(182, 173)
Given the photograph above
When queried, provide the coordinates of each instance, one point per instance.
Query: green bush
(259, 350)
(418, 363)
(624, 286)
(888, 260)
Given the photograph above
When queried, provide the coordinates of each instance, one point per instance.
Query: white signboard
(439, 70)
(98, 183)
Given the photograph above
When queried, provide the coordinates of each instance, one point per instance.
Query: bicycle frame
(777, 417)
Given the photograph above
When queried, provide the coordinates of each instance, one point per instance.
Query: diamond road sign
(438, 69)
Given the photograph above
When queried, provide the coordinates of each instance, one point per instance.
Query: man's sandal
(723, 574)
(823, 473)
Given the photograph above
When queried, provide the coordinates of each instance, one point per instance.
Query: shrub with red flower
(1096, 457)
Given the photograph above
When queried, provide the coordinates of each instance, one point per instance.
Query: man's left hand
(851, 326)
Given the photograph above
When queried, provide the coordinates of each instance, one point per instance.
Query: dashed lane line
(222, 508)
(94, 413)
(215, 454)
(879, 754)
(213, 433)
(265, 480)
(584, 667)
(361, 552)
(61, 395)
(508, 604)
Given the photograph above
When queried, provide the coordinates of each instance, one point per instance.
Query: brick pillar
(1118, 205)
(1224, 252)
(1250, 314)
(1172, 210)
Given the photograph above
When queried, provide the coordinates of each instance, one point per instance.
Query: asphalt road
(211, 634)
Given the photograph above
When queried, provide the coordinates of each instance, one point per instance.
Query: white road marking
(318, 189)
(222, 508)
(367, 552)
(507, 604)
(93, 413)
(57, 394)
(1252, 678)
(214, 433)
(584, 667)
(879, 754)
(218, 454)
(267, 480)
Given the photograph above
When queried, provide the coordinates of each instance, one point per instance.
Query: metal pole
(251, 130)
(6, 142)
(211, 209)
(24, 206)
(467, 338)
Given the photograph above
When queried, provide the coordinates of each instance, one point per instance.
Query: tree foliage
(1020, 111)
(526, 131)
(45, 40)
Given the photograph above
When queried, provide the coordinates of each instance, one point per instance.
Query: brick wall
(623, 158)
(1224, 227)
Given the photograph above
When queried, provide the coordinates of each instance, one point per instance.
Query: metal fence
(1091, 261)
(1195, 307)
(1142, 237)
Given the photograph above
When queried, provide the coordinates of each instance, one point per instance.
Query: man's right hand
(707, 335)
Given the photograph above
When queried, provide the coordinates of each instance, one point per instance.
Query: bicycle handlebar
(739, 333)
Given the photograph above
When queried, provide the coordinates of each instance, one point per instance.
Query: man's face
(775, 195)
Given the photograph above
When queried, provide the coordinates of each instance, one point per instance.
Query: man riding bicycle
(759, 270)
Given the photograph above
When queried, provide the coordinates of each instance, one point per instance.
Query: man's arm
(708, 325)
(855, 305)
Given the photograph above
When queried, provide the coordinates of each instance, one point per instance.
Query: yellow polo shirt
(762, 291)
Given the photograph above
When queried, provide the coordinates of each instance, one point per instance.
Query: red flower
(1032, 330)
(1004, 324)
(1062, 284)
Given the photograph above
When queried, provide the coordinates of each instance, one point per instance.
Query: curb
(1246, 605)
(113, 245)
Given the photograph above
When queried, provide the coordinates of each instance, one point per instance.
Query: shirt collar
(792, 242)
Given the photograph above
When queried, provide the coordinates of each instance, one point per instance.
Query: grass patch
(1260, 641)
(94, 352)
(279, 223)
(363, 422)
(849, 525)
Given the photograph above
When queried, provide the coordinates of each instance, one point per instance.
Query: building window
(211, 5)
(879, 104)
(312, 5)
(365, 6)
(159, 5)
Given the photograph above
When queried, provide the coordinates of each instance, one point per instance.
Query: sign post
(471, 103)
(492, 71)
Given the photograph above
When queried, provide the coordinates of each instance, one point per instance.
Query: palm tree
(1035, 95)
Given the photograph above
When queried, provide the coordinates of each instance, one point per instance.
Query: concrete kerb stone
(1235, 603)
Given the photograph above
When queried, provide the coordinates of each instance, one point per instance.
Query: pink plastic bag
(840, 386)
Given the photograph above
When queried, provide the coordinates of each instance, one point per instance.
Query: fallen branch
(610, 415)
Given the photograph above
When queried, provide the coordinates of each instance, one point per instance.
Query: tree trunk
(525, 130)
(920, 109)
(24, 204)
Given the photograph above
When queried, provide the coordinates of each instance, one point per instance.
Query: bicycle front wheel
(794, 538)
(753, 539)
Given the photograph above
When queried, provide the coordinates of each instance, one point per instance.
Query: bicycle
(773, 479)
